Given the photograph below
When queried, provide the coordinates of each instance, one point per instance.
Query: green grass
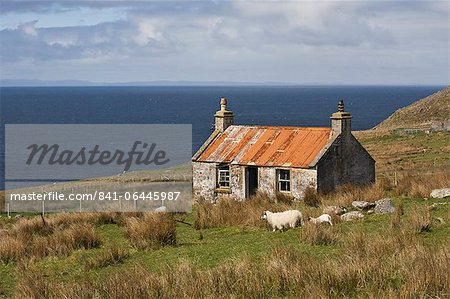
(396, 152)
(216, 246)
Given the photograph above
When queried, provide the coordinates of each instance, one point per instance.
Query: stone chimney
(224, 118)
(341, 121)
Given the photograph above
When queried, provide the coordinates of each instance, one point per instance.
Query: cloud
(108, 39)
(254, 39)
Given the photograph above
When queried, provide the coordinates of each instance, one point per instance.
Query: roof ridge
(282, 127)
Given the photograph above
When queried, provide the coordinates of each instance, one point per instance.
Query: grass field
(230, 252)
(403, 152)
(208, 249)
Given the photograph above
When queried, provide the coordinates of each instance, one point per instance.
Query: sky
(295, 42)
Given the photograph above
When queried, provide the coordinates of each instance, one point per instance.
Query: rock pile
(384, 206)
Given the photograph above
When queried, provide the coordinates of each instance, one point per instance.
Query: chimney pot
(224, 118)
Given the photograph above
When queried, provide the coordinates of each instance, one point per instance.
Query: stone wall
(302, 179)
(237, 181)
(345, 162)
(203, 180)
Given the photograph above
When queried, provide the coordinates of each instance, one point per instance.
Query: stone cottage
(236, 161)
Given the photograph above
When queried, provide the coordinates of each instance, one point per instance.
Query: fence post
(7, 210)
(43, 208)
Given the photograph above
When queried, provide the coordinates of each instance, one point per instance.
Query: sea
(196, 105)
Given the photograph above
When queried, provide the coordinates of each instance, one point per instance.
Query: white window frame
(223, 176)
(280, 180)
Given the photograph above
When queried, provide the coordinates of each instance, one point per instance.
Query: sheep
(281, 220)
(338, 210)
(161, 209)
(321, 219)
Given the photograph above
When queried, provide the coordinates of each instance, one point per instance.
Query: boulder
(334, 210)
(351, 216)
(440, 193)
(363, 205)
(384, 206)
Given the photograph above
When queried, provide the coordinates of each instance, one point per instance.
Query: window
(223, 177)
(284, 180)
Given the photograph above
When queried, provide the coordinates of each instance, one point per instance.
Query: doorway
(251, 181)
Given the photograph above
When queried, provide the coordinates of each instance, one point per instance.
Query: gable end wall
(345, 162)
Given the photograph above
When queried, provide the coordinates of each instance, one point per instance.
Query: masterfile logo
(100, 167)
(141, 153)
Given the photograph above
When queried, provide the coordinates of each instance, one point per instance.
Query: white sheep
(281, 220)
(161, 209)
(324, 218)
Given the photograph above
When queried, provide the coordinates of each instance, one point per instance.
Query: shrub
(152, 231)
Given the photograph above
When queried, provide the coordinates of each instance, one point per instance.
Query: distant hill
(38, 83)
(432, 112)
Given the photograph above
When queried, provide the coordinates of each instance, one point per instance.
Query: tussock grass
(282, 197)
(346, 194)
(25, 227)
(421, 185)
(319, 234)
(311, 197)
(111, 256)
(32, 238)
(152, 231)
(412, 272)
(230, 212)
(11, 249)
(419, 220)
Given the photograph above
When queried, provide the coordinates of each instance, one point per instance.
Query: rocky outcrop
(440, 193)
(351, 216)
(384, 206)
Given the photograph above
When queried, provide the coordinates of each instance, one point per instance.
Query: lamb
(281, 220)
(321, 219)
(338, 210)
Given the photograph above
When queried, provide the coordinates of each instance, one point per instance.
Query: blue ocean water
(261, 105)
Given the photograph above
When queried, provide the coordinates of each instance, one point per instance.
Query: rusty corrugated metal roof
(267, 146)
